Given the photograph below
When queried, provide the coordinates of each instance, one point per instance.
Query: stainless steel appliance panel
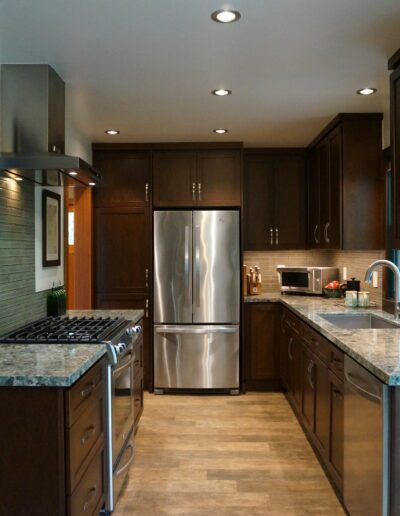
(366, 435)
(306, 280)
(173, 266)
(216, 267)
(196, 357)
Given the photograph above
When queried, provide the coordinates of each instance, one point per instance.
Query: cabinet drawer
(138, 398)
(317, 344)
(292, 322)
(82, 437)
(336, 363)
(80, 395)
(88, 496)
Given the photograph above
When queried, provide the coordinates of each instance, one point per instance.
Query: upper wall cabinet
(345, 184)
(197, 178)
(274, 199)
(126, 178)
(394, 64)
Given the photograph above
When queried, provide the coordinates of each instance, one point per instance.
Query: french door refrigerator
(196, 300)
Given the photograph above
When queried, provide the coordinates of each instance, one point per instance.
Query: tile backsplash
(19, 303)
(356, 262)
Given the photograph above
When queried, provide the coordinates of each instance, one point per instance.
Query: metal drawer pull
(315, 234)
(147, 309)
(91, 496)
(122, 368)
(87, 390)
(193, 191)
(327, 240)
(147, 277)
(349, 377)
(276, 236)
(271, 236)
(309, 370)
(130, 460)
(199, 190)
(289, 349)
(88, 434)
(146, 189)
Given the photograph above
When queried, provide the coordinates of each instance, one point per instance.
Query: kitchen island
(52, 436)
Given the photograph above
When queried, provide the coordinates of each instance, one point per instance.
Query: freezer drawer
(196, 357)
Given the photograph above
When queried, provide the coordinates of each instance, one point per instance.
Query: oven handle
(199, 331)
(124, 365)
(126, 466)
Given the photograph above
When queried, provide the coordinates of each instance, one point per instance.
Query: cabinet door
(123, 254)
(283, 355)
(336, 429)
(395, 140)
(308, 406)
(295, 380)
(261, 351)
(174, 179)
(289, 212)
(321, 382)
(126, 179)
(313, 181)
(258, 202)
(218, 178)
(134, 302)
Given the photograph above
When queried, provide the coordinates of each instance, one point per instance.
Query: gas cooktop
(53, 330)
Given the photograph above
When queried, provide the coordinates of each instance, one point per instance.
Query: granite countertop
(378, 350)
(54, 365)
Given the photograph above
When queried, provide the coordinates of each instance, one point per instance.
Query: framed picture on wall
(51, 228)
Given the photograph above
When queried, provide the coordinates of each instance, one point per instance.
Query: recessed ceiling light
(225, 16)
(221, 93)
(220, 131)
(366, 91)
(73, 173)
(92, 184)
(112, 132)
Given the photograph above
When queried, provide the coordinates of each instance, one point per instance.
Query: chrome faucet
(393, 267)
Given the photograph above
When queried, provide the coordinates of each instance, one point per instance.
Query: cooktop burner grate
(53, 330)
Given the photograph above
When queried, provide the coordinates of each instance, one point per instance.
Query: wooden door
(395, 142)
(174, 179)
(313, 181)
(126, 179)
(336, 429)
(123, 252)
(218, 178)
(308, 405)
(258, 202)
(289, 200)
(261, 346)
(320, 378)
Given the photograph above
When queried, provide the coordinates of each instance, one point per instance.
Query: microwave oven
(306, 280)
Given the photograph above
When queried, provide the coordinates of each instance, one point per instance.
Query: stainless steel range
(120, 336)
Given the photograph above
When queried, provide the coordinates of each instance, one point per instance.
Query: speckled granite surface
(54, 365)
(378, 350)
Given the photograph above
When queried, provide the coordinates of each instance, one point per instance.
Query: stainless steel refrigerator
(196, 300)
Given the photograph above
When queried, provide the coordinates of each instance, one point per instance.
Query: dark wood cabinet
(54, 462)
(308, 405)
(321, 383)
(197, 178)
(274, 199)
(261, 346)
(336, 429)
(126, 179)
(394, 64)
(345, 187)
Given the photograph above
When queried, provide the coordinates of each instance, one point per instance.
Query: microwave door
(297, 280)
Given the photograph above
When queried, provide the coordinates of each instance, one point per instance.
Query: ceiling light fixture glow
(220, 131)
(92, 184)
(112, 132)
(221, 92)
(18, 178)
(367, 91)
(73, 173)
(225, 16)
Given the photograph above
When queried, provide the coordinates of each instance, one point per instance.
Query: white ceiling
(146, 67)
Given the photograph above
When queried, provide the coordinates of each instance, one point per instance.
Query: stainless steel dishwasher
(366, 442)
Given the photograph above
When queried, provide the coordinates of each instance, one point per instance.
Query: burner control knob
(131, 331)
(120, 348)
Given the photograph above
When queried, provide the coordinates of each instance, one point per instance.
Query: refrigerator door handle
(187, 266)
(198, 331)
(197, 264)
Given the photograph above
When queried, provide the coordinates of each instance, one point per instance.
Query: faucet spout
(393, 267)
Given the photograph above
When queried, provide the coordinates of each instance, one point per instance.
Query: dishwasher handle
(352, 380)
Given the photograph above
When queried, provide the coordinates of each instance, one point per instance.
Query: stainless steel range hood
(32, 138)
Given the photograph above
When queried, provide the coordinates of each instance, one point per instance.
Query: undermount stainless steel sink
(359, 321)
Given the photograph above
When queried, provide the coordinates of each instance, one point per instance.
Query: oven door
(296, 280)
(122, 402)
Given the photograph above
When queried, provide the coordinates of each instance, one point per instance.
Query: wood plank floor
(223, 456)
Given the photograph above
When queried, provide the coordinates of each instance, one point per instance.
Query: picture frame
(51, 229)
